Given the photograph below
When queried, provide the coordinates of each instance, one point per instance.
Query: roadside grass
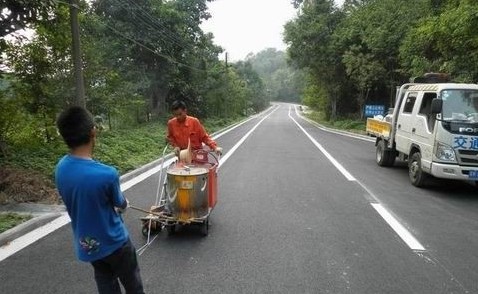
(10, 220)
(347, 124)
(125, 149)
(27, 173)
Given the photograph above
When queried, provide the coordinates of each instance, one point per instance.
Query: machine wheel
(144, 230)
(205, 227)
(171, 229)
(156, 227)
(417, 176)
(383, 156)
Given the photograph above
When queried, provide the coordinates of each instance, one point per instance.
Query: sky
(244, 26)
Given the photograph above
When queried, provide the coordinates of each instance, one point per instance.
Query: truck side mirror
(437, 105)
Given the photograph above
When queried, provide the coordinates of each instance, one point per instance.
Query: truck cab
(434, 127)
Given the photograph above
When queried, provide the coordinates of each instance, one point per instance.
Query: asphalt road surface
(301, 210)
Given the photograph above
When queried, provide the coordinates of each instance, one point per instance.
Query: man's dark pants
(123, 265)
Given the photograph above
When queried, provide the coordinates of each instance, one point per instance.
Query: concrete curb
(131, 174)
(337, 131)
(26, 227)
(43, 214)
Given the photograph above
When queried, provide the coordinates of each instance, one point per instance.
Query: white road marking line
(322, 149)
(239, 143)
(35, 235)
(401, 231)
(406, 236)
(31, 237)
(238, 125)
(346, 134)
(128, 184)
(141, 250)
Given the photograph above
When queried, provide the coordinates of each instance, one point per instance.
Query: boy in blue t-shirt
(92, 195)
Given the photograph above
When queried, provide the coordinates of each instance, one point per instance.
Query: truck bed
(378, 128)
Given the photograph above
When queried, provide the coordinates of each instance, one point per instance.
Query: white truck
(433, 126)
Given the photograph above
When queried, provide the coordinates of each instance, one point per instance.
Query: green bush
(357, 126)
(214, 124)
(9, 220)
(125, 149)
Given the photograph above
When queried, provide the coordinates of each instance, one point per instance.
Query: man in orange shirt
(183, 128)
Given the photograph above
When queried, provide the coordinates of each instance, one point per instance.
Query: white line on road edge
(35, 235)
(406, 236)
(401, 231)
(148, 173)
(238, 125)
(31, 237)
(239, 143)
(322, 149)
(128, 184)
(342, 133)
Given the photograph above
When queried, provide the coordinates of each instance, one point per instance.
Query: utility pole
(227, 80)
(77, 64)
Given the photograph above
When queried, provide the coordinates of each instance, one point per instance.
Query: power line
(151, 23)
(168, 58)
(155, 22)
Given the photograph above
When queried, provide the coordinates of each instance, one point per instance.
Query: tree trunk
(333, 105)
(158, 99)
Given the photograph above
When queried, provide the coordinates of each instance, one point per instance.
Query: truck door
(423, 128)
(405, 122)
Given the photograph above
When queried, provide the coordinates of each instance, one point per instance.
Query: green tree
(17, 14)
(445, 42)
(369, 39)
(310, 39)
(253, 85)
(165, 40)
(281, 81)
(41, 71)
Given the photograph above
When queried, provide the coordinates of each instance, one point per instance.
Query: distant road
(301, 210)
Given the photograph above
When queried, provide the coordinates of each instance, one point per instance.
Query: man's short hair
(75, 125)
(178, 104)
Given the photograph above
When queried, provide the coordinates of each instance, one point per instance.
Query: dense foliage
(138, 56)
(282, 81)
(358, 53)
(17, 15)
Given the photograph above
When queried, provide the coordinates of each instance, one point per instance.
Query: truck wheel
(417, 176)
(383, 156)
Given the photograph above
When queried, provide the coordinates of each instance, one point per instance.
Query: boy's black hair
(178, 104)
(75, 125)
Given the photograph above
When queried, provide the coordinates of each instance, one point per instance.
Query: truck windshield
(460, 105)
